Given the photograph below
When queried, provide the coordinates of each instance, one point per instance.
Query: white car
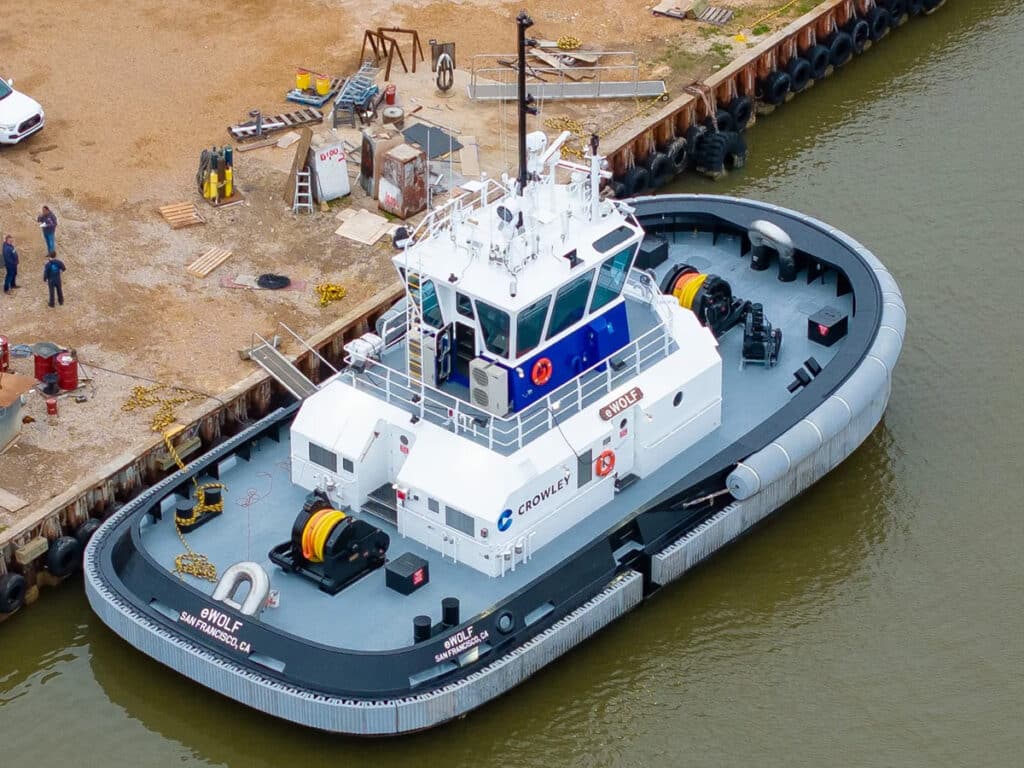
(20, 116)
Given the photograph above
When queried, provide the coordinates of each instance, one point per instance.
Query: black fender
(637, 180)
(860, 32)
(897, 10)
(12, 592)
(735, 151)
(840, 49)
(678, 153)
(712, 154)
(725, 120)
(915, 7)
(64, 556)
(879, 21)
(775, 87)
(694, 136)
(818, 57)
(660, 169)
(742, 110)
(799, 71)
(85, 531)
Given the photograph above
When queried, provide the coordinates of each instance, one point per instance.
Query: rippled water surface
(875, 621)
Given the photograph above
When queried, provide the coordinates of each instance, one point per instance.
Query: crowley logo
(621, 403)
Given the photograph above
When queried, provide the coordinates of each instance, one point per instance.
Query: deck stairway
(383, 504)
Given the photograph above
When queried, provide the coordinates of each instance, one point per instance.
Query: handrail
(303, 343)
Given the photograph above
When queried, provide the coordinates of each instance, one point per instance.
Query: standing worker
(48, 222)
(51, 276)
(10, 264)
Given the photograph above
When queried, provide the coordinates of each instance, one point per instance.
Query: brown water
(875, 621)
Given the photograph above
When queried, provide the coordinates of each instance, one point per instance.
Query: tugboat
(577, 400)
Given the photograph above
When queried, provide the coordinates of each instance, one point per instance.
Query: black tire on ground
(12, 592)
(799, 71)
(85, 531)
(64, 556)
(840, 50)
(637, 180)
(660, 170)
(735, 151)
(678, 153)
(742, 109)
(694, 135)
(775, 87)
(726, 122)
(879, 20)
(817, 56)
(859, 32)
(713, 149)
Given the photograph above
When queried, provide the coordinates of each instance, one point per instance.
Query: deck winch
(709, 297)
(329, 547)
(761, 342)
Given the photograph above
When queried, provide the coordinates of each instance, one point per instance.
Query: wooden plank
(555, 63)
(10, 502)
(298, 163)
(208, 262)
(256, 145)
(469, 157)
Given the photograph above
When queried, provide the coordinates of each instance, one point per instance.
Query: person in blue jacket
(52, 276)
(10, 264)
(48, 223)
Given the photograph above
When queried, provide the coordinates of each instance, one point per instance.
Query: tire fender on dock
(840, 49)
(660, 169)
(818, 57)
(12, 592)
(742, 109)
(775, 87)
(637, 180)
(879, 21)
(678, 154)
(800, 74)
(860, 32)
(64, 556)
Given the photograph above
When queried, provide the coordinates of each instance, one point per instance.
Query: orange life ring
(541, 373)
(605, 463)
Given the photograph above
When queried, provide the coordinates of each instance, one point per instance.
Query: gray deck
(261, 504)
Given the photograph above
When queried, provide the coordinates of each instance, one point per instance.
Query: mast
(524, 22)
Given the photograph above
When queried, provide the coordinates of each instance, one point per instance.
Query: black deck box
(653, 252)
(407, 573)
(827, 326)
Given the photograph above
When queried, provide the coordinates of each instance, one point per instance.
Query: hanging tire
(726, 122)
(879, 21)
(713, 149)
(840, 50)
(799, 71)
(742, 109)
(915, 7)
(694, 136)
(817, 56)
(85, 531)
(859, 32)
(637, 180)
(931, 6)
(12, 592)
(678, 154)
(64, 556)
(735, 151)
(775, 87)
(660, 169)
(897, 10)
(619, 190)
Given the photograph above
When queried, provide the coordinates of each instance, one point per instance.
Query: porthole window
(623, 423)
(677, 399)
(403, 440)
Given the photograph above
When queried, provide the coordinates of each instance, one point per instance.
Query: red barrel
(389, 93)
(5, 354)
(51, 406)
(67, 370)
(44, 365)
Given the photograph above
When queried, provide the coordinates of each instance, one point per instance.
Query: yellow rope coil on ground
(569, 43)
(328, 292)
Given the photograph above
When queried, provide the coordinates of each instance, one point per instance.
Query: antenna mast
(525, 101)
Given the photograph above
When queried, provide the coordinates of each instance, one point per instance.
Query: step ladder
(266, 356)
(303, 193)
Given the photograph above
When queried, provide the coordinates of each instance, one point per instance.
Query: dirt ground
(134, 90)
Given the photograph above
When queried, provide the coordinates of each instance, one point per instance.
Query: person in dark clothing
(51, 276)
(48, 222)
(10, 264)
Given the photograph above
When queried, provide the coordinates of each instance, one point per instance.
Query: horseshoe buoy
(605, 463)
(542, 371)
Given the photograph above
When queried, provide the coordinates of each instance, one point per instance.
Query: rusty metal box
(402, 190)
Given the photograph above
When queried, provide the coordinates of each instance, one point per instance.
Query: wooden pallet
(715, 15)
(311, 97)
(275, 123)
(180, 215)
(208, 262)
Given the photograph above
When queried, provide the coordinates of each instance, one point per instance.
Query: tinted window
(323, 457)
(347, 465)
(495, 325)
(431, 306)
(611, 278)
(463, 305)
(615, 237)
(570, 303)
(531, 325)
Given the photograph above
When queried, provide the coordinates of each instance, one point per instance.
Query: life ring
(64, 556)
(12, 592)
(541, 373)
(605, 463)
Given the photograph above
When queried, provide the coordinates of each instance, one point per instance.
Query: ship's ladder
(414, 337)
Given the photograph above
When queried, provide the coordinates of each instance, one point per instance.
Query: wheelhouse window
(530, 325)
(323, 457)
(570, 303)
(495, 325)
(460, 521)
(464, 305)
(430, 305)
(611, 278)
